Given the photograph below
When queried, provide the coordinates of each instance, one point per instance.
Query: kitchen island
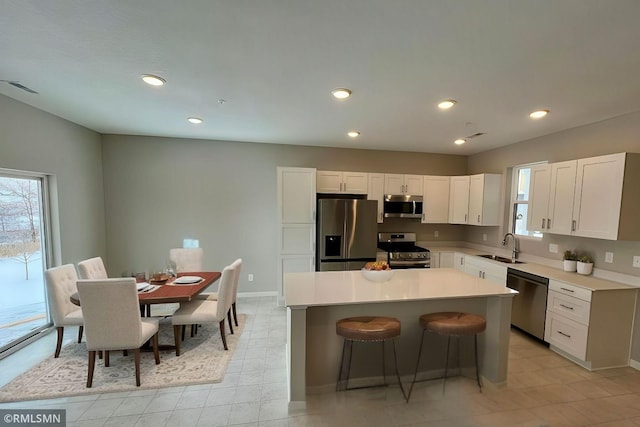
(315, 301)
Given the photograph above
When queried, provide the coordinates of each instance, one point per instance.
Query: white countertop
(587, 282)
(350, 287)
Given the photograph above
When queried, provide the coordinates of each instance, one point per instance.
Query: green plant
(586, 258)
(570, 256)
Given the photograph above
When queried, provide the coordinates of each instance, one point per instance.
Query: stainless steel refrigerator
(346, 234)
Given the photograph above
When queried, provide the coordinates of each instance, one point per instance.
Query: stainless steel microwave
(396, 206)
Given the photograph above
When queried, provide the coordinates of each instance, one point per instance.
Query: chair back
(237, 266)
(186, 259)
(92, 268)
(225, 291)
(111, 313)
(61, 283)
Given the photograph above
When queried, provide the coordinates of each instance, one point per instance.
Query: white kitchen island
(315, 301)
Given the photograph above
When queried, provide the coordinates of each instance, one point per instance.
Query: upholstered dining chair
(112, 321)
(92, 268)
(61, 284)
(186, 259)
(237, 265)
(206, 311)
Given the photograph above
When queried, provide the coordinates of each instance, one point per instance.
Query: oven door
(400, 264)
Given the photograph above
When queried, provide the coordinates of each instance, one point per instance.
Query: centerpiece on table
(377, 271)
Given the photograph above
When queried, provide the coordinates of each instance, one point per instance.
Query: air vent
(475, 135)
(19, 86)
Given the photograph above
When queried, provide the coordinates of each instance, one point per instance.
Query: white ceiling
(276, 61)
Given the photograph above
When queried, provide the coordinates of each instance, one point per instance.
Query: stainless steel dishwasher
(529, 307)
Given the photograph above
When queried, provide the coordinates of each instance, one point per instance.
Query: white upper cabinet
(484, 199)
(341, 182)
(539, 187)
(562, 190)
(435, 207)
(398, 184)
(376, 192)
(459, 199)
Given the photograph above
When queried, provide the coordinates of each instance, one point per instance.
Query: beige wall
(32, 140)
(159, 191)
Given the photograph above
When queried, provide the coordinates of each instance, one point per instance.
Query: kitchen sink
(502, 259)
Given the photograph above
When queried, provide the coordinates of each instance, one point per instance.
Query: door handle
(548, 223)
(478, 219)
(543, 221)
(573, 225)
(423, 216)
(465, 217)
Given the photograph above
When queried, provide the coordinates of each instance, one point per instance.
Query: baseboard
(634, 364)
(257, 294)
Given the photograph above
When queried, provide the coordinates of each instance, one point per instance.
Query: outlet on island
(250, 277)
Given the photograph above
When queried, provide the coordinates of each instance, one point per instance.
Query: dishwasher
(529, 307)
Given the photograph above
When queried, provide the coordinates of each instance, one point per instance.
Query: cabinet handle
(465, 217)
(548, 223)
(566, 335)
(566, 306)
(478, 219)
(573, 225)
(543, 221)
(568, 290)
(423, 216)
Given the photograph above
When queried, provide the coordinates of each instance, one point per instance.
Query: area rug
(202, 360)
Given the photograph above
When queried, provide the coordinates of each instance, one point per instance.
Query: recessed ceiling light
(152, 80)
(341, 93)
(195, 120)
(459, 141)
(539, 114)
(446, 104)
(353, 133)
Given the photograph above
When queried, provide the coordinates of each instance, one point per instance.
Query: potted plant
(569, 260)
(585, 265)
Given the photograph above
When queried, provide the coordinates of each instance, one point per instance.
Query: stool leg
(415, 374)
(446, 364)
(395, 361)
(347, 349)
(475, 339)
(384, 374)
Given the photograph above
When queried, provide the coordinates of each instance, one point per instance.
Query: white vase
(584, 267)
(569, 265)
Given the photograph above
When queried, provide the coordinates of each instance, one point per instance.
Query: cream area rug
(202, 360)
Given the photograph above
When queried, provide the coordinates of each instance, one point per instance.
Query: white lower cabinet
(485, 270)
(458, 261)
(592, 328)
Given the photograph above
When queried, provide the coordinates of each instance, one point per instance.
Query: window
(23, 256)
(520, 201)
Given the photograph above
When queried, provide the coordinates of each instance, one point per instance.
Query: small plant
(570, 256)
(586, 259)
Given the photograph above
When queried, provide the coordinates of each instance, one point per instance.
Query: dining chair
(92, 268)
(186, 259)
(61, 284)
(237, 265)
(113, 321)
(206, 311)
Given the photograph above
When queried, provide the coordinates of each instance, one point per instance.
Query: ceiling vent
(19, 86)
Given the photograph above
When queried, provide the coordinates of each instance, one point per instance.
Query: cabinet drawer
(571, 290)
(566, 334)
(570, 307)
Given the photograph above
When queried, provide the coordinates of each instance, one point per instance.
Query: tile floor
(544, 390)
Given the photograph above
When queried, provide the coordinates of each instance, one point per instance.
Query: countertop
(588, 282)
(351, 287)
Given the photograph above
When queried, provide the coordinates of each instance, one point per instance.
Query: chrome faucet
(516, 246)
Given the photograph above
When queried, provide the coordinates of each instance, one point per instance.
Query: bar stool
(451, 324)
(366, 329)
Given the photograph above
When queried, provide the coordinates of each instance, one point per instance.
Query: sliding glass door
(23, 308)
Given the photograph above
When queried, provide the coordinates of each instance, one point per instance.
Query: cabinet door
(393, 184)
(598, 196)
(354, 182)
(413, 185)
(376, 192)
(329, 182)
(476, 194)
(446, 260)
(472, 267)
(298, 239)
(459, 200)
(296, 195)
(539, 189)
(458, 261)
(563, 183)
(436, 199)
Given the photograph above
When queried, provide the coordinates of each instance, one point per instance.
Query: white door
(539, 189)
(459, 200)
(376, 192)
(413, 185)
(476, 199)
(328, 182)
(393, 184)
(354, 182)
(563, 184)
(436, 199)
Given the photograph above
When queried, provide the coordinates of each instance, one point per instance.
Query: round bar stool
(451, 325)
(366, 329)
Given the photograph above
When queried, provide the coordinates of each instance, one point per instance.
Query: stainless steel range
(402, 251)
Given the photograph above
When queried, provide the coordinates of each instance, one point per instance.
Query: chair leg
(137, 357)
(156, 353)
(176, 337)
(341, 372)
(475, 339)
(229, 320)
(183, 329)
(92, 364)
(106, 358)
(222, 334)
(80, 331)
(415, 374)
(395, 361)
(125, 353)
(235, 315)
(446, 364)
(60, 331)
(384, 370)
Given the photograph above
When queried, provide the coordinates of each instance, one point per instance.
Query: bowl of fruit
(378, 271)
